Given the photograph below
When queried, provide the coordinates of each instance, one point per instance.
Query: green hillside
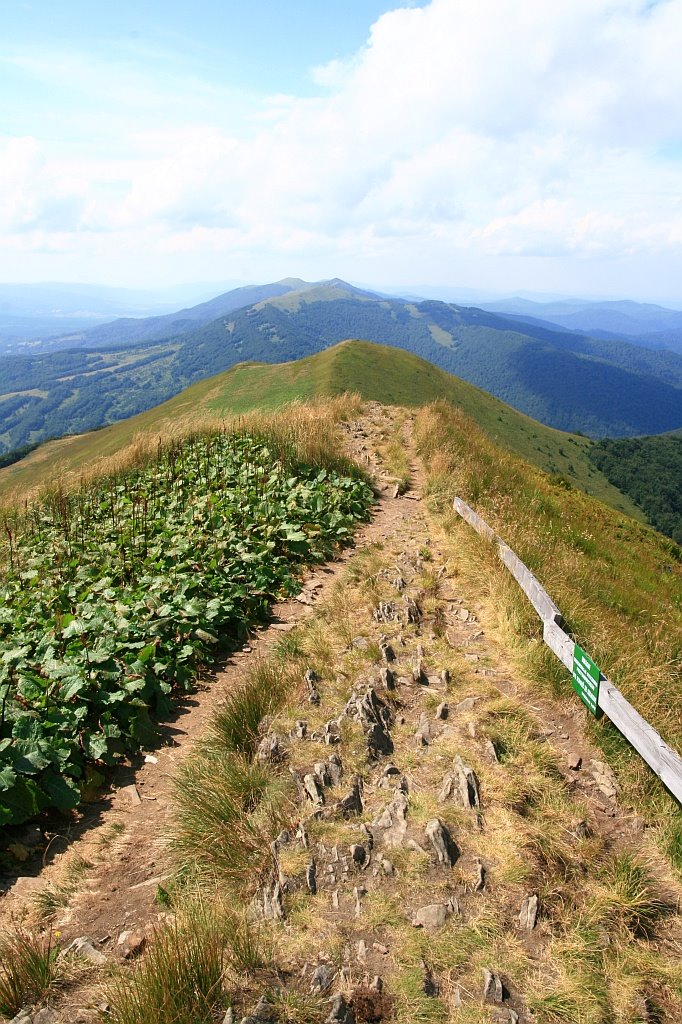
(570, 381)
(376, 372)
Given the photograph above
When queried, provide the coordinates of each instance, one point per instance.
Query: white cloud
(459, 129)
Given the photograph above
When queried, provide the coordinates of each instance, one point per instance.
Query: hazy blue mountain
(600, 386)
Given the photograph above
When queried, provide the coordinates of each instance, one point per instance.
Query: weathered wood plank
(643, 737)
(471, 517)
(558, 642)
(530, 585)
(661, 758)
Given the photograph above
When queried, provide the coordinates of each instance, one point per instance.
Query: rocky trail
(447, 811)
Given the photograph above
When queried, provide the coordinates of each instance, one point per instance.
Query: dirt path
(113, 859)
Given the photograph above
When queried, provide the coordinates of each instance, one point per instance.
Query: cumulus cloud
(458, 130)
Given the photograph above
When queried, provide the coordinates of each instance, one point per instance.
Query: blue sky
(492, 146)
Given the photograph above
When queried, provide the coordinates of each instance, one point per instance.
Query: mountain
(645, 324)
(32, 312)
(375, 372)
(567, 380)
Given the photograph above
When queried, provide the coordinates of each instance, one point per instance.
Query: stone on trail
(322, 978)
(529, 913)
(352, 803)
(313, 790)
(270, 749)
(340, 1012)
(435, 915)
(442, 842)
(423, 735)
(493, 991)
(83, 946)
(468, 784)
(387, 678)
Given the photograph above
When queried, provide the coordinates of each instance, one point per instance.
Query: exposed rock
(442, 711)
(387, 652)
(445, 677)
(442, 842)
(359, 892)
(311, 681)
(273, 909)
(479, 881)
(605, 779)
(45, 1016)
(131, 942)
(332, 732)
(270, 749)
(468, 704)
(375, 718)
(300, 729)
(399, 584)
(419, 676)
(264, 1013)
(340, 1012)
(313, 790)
(491, 751)
(387, 867)
(423, 735)
(529, 913)
(229, 1016)
(83, 946)
(387, 677)
(23, 1017)
(322, 978)
(468, 784)
(493, 990)
(384, 612)
(321, 773)
(334, 769)
(311, 877)
(463, 614)
(412, 610)
(359, 855)
(434, 916)
(352, 803)
(392, 821)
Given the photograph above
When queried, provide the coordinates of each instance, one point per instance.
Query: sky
(502, 146)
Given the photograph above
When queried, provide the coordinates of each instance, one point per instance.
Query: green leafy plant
(114, 597)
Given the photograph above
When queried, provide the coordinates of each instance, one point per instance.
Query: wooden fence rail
(661, 758)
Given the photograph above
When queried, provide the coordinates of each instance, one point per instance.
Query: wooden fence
(661, 758)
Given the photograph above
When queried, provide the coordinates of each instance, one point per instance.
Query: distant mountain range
(643, 323)
(567, 379)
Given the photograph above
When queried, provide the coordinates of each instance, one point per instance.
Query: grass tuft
(28, 970)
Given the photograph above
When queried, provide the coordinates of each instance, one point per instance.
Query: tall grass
(237, 723)
(182, 977)
(28, 969)
(618, 584)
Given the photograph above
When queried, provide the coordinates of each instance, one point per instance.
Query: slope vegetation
(566, 379)
(375, 372)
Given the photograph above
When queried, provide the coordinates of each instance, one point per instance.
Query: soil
(117, 842)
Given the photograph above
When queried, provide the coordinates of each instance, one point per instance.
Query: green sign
(586, 676)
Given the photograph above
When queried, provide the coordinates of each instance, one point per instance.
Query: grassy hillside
(573, 382)
(617, 583)
(375, 372)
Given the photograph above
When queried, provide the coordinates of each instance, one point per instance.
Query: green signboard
(586, 676)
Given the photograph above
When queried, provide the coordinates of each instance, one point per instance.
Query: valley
(568, 380)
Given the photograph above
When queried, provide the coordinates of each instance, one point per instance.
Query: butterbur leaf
(63, 793)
